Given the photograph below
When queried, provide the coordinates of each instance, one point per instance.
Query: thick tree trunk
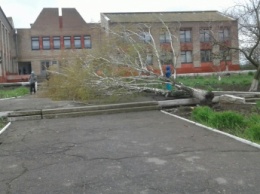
(204, 97)
(254, 86)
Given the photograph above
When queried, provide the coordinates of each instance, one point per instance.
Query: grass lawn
(13, 92)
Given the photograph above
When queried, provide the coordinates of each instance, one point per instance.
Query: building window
(56, 42)
(186, 57)
(87, 42)
(166, 58)
(146, 37)
(165, 37)
(185, 35)
(223, 34)
(54, 63)
(205, 55)
(67, 42)
(225, 55)
(46, 43)
(45, 65)
(149, 59)
(35, 43)
(205, 35)
(77, 42)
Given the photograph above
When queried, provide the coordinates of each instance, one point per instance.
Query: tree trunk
(254, 84)
(204, 97)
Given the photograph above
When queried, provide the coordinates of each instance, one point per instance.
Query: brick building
(51, 37)
(192, 35)
(8, 51)
(55, 35)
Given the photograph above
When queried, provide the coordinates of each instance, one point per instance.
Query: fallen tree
(121, 67)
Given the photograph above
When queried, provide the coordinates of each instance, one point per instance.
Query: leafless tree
(247, 14)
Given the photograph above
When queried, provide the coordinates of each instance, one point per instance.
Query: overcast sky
(25, 12)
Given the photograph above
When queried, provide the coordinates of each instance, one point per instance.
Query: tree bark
(204, 97)
(254, 84)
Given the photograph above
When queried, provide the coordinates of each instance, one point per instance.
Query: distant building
(46, 43)
(192, 36)
(51, 35)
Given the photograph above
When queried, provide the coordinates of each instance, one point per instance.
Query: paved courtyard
(142, 152)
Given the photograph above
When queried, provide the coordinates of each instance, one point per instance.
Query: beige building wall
(8, 62)
(50, 24)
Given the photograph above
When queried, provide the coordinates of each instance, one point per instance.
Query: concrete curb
(94, 110)
(5, 127)
(216, 131)
(82, 111)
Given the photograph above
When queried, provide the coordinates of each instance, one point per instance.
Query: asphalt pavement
(146, 152)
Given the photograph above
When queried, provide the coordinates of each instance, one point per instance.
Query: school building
(54, 36)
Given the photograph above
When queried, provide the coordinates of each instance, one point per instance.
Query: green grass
(230, 122)
(213, 82)
(8, 93)
(3, 122)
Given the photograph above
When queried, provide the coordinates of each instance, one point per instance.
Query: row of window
(185, 36)
(186, 57)
(57, 42)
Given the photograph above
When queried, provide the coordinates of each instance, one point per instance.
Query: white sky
(25, 12)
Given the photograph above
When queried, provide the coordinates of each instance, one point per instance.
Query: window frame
(185, 38)
(35, 39)
(87, 38)
(67, 39)
(56, 39)
(186, 56)
(224, 34)
(46, 39)
(165, 37)
(76, 39)
(225, 57)
(206, 55)
(205, 35)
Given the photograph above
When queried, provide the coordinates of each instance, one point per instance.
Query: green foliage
(258, 104)
(212, 81)
(250, 73)
(3, 122)
(230, 122)
(72, 84)
(227, 120)
(13, 92)
(253, 132)
(202, 114)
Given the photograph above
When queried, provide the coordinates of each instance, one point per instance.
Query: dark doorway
(24, 68)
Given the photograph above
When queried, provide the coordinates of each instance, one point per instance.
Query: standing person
(32, 81)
